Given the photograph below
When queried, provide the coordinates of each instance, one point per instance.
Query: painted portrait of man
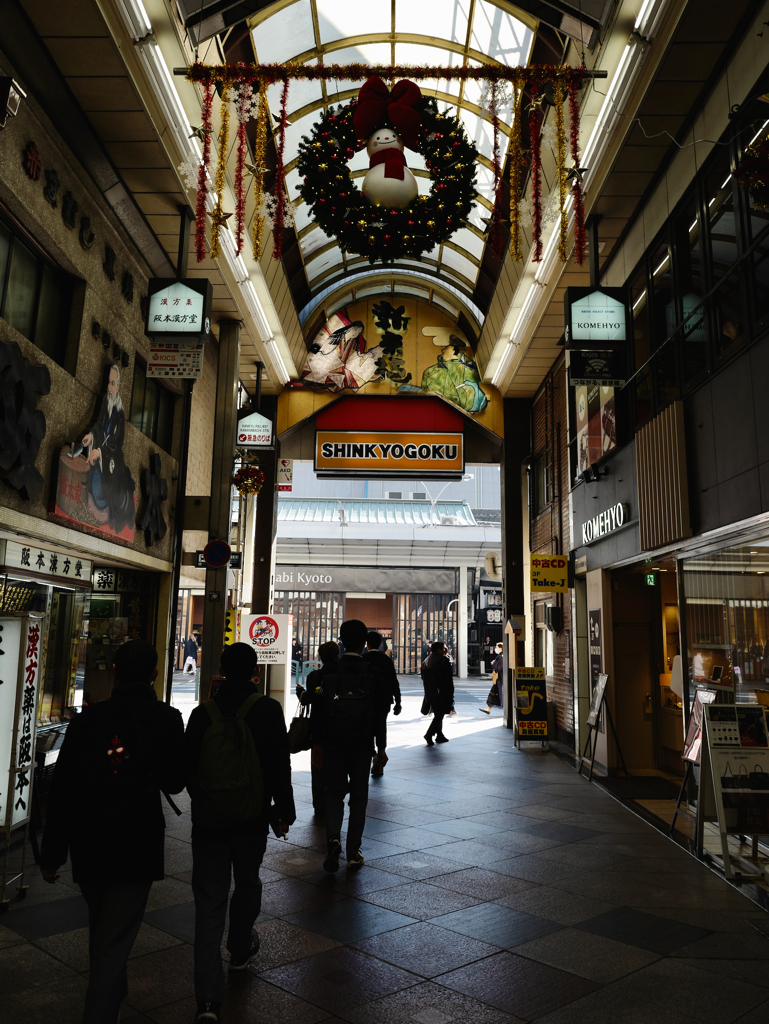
(110, 484)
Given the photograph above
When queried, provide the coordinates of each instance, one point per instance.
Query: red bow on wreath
(376, 103)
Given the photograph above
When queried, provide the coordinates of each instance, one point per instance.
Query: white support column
(462, 618)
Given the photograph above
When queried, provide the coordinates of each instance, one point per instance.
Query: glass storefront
(727, 620)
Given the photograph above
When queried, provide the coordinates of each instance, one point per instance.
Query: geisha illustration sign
(388, 453)
(269, 636)
(395, 345)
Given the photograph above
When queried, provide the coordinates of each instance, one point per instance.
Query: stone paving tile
(426, 949)
(160, 978)
(349, 920)
(42, 988)
(429, 1003)
(282, 943)
(481, 883)
(756, 972)
(416, 864)
(647, 931)
(422, 901)
(518, 986)
(355, 883)
(340, 979)
(9, 938)
(43, 919)
(555, 904)
(72, 947)
(291, 895)
(490, 922)
(591, 956)
(168, 893)
(178, 921)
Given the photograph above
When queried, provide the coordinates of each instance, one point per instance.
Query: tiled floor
(499, 887)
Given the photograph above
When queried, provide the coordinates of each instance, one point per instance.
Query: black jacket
(191, 648)
(387, 671)
(268, 727)
(351, 664)
(113, 843)
(438, 681)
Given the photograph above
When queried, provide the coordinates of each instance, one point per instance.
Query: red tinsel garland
(244, 101)
(280, 180)
(535, 140)
(496, 228)
(200, 208)
(580, 233)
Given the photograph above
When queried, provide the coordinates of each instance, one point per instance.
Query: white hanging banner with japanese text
(32, 648)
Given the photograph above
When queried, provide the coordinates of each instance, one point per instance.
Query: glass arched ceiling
(446, 33)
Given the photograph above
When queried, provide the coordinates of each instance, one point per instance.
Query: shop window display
(727, 620)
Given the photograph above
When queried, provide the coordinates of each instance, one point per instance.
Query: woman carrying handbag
(494, 699)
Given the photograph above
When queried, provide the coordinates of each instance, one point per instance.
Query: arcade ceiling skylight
(446, 33)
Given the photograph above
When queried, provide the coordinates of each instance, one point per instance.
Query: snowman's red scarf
(393, 160)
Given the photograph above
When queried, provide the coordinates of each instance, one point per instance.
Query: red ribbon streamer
(200, 208)
(496, 230)
(376, 104)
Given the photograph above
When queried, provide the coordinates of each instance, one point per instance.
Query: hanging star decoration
(253, 169)
(199, 132)
(536, 104)
(576, 174)
(218, 216)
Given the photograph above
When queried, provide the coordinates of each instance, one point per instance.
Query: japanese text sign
(531, 703)
(550, 573)
(27, 722)
(37, 560)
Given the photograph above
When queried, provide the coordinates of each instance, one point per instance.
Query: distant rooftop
(487, 515)
(374, 511)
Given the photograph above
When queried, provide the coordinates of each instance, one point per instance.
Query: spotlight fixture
(11, 95)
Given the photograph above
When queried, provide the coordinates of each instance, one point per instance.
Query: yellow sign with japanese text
(531, 702)
(549, 573)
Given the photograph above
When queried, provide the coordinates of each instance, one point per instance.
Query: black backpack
(349, 700)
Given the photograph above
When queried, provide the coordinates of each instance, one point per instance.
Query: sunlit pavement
(499, 887)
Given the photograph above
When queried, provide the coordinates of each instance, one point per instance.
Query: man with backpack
(238, 765)
(351, 710)
(376, 657)
(104, 809)
(328, 655)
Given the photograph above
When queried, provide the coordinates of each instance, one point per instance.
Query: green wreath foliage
(381, 234)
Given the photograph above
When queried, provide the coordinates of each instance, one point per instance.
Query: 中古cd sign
(388, 453)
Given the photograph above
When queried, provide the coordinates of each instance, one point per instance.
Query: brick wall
(550, 530)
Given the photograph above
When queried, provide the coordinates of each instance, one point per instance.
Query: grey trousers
(339, 766)
(214, 862)
(115, 913)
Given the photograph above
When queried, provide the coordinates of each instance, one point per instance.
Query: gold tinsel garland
(218, 218)
(516, 166)
(260, 155)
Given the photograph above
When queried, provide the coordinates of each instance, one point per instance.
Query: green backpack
(229, 789)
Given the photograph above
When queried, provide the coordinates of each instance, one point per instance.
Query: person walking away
(191, 655)
(392, 691)
(328, 655)
(494, 698)
(104, 810)
(239, 766)
(438, 681)
(351, 709)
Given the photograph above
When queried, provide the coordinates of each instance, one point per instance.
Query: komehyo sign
(605, 522)
(385, 453)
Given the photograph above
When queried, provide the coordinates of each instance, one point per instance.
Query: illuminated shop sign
(595, 315)
(605, 523)
(388, 453)
(179, 310)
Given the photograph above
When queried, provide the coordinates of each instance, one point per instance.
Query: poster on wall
(596, 424)
(531, 703)
(270, 636)
(739, 756)
(395, 344)
(595, 645)
(94, 486)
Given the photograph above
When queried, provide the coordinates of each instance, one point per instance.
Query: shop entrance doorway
(634, 701)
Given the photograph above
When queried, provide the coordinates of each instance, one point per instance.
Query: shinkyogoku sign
(384, 453)
(605, 522)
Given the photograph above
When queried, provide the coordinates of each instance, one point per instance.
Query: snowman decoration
(389, 182)
(388, 121)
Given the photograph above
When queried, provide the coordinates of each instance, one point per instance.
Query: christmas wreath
(248, 480)
(378, 232)
(753, 173)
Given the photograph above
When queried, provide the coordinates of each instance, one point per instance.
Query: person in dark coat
(438, 681)
(104, 810)
(328, 654)
(218, 853)
(494, 699)
(351, 712)
(392, 689)
(191, 654)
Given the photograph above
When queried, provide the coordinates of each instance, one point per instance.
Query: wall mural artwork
(94, 485)
(416, 348)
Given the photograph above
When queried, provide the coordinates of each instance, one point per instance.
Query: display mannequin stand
(597, 705)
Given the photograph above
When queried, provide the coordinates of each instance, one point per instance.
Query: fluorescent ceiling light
(135, 16)
(650, 18)
(277, 361)
(165, 92)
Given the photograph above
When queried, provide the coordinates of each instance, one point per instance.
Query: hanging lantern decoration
(249, 479)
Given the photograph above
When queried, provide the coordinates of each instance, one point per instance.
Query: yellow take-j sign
(550, 572)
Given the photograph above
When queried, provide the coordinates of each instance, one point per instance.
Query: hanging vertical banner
(32, 637)
(595, 645)
(531, 703)
(10, 646)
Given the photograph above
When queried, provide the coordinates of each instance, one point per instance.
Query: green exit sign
(650, 579)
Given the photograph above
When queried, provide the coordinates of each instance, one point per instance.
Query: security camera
(11, 95)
